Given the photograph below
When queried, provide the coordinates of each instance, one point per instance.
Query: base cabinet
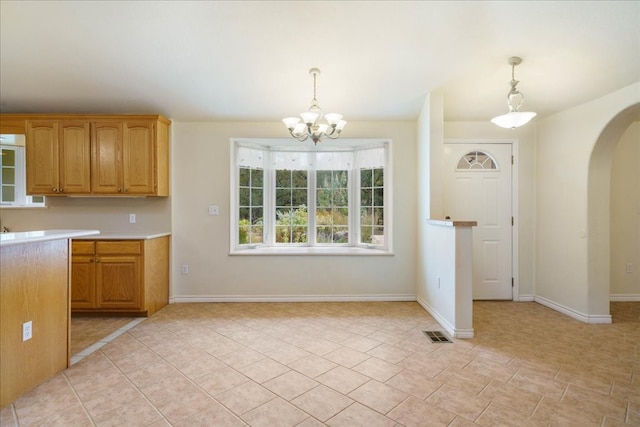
(128, 277)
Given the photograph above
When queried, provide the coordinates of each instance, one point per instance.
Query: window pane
(243, 194)
(299, 235)
(256, 234)
(283, 234)
(299, 179)
(243, 179)
(378, 197)
(256, 216)
(283, 216)
(324, 235)
(340, 216)
(366, 179)
(341, 235)
(340, 178)
(243, 214)
(365, 234)
(323, 179)
(299, 197)
(256, 197)
(8, 158)
(366, 197)
(324, 198)
(378, 177)
(8, 193)
(378, 216)
(243, 232)
(366, 216)
(283, 178)
(8, 176)
(37, 199)
(323, 216)
(256, 177)
(341, 197)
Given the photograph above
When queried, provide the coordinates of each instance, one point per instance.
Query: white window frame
(22, 200)
(269, 247)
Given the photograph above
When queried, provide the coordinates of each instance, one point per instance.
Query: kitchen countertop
(20, 237)
(110, 235)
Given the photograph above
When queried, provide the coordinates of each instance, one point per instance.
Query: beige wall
(104, 214)
(572, 215)
(201, 176)
(625, 216)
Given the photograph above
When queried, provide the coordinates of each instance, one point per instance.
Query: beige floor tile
(214, 415)
(361, 343)
(222, 380)
(245, 397)
(458, 401)
(415, 384)
(414, 412)
(512, 397)
(287, 353)
(312, 366)
(389, 353)
(290, 385)
(263, 370)
(322, 402)
(347, 357)
(140, 413)
(358, 415)
(275, 413)
(378, 396)
(378, 369)
(529, 380)
(464, 379)
(342, 379)
(499, 415)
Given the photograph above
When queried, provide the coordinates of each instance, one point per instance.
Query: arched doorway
(599, 218)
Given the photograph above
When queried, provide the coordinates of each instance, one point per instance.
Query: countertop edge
(22, 237)
(452, 223)
(124, 236)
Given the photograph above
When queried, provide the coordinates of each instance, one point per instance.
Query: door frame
(514, 203)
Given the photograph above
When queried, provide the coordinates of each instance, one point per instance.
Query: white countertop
(110, 235)
(20, 237)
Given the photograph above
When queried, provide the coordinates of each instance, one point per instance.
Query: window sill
(315, 251)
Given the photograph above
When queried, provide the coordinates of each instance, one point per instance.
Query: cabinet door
(75, 157)
(42, 157)
(139, 158)
(83, 283)
(118, 281)
(106, 162)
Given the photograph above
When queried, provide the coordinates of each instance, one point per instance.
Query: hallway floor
(348, 364)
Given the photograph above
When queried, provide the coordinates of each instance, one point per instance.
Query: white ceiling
(242, 60)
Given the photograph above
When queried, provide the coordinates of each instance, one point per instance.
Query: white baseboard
(455, 333)
(289, 298)
(624, 297)
(585, 318)
(525, 298)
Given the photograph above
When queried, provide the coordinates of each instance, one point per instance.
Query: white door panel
(483, 195)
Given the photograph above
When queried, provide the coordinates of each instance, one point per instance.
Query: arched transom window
(476, 160)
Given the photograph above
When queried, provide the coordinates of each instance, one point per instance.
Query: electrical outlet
(185, 269)
(132, 218)
(629, 267)
(27, 330)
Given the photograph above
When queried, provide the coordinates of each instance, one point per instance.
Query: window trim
(22, 199)
(353, 247)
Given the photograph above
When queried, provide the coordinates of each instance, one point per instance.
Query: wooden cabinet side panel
(106, 161)
(156, 274)
(75, 157)
(162, 159)
(139, 158)
(35, 287)
(42, 157)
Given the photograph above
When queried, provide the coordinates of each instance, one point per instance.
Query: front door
(477, 187)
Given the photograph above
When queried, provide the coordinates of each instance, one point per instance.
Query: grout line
(98, 345)
(73, 390)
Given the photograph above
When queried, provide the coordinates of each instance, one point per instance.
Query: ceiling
(242, 60)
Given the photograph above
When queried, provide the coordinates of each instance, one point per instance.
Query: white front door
(477, 187)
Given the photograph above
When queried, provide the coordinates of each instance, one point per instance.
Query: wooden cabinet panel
(83, 289)
(139, 158)
(75, 157)
(118, 282)
(106, 158)
(42, 157)
(129, 247)
(83, 248)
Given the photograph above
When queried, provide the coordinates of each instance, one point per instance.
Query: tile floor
(348, 364)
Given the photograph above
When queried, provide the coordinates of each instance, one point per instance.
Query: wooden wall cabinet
(97, 155)
(58, 157)
(128, 277)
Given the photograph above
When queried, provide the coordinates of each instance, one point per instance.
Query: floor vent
(436, 336)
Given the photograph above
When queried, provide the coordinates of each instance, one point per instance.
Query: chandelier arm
(331, 135)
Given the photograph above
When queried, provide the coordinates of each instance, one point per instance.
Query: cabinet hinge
(511, 159)
(512, 281)
(512, 221)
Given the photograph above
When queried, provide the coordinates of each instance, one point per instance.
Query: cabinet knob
(55, 190)
(97, 259)
(91, 260)
(60, 190)
(119, 190)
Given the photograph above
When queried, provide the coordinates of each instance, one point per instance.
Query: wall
(104, 214)
(571, 273)
(201, 176)
(625, 216)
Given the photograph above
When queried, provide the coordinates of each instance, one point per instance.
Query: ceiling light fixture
(310, 126)
(515, 98)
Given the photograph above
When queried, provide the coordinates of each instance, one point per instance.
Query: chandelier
(515, 98)
(309, 126)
